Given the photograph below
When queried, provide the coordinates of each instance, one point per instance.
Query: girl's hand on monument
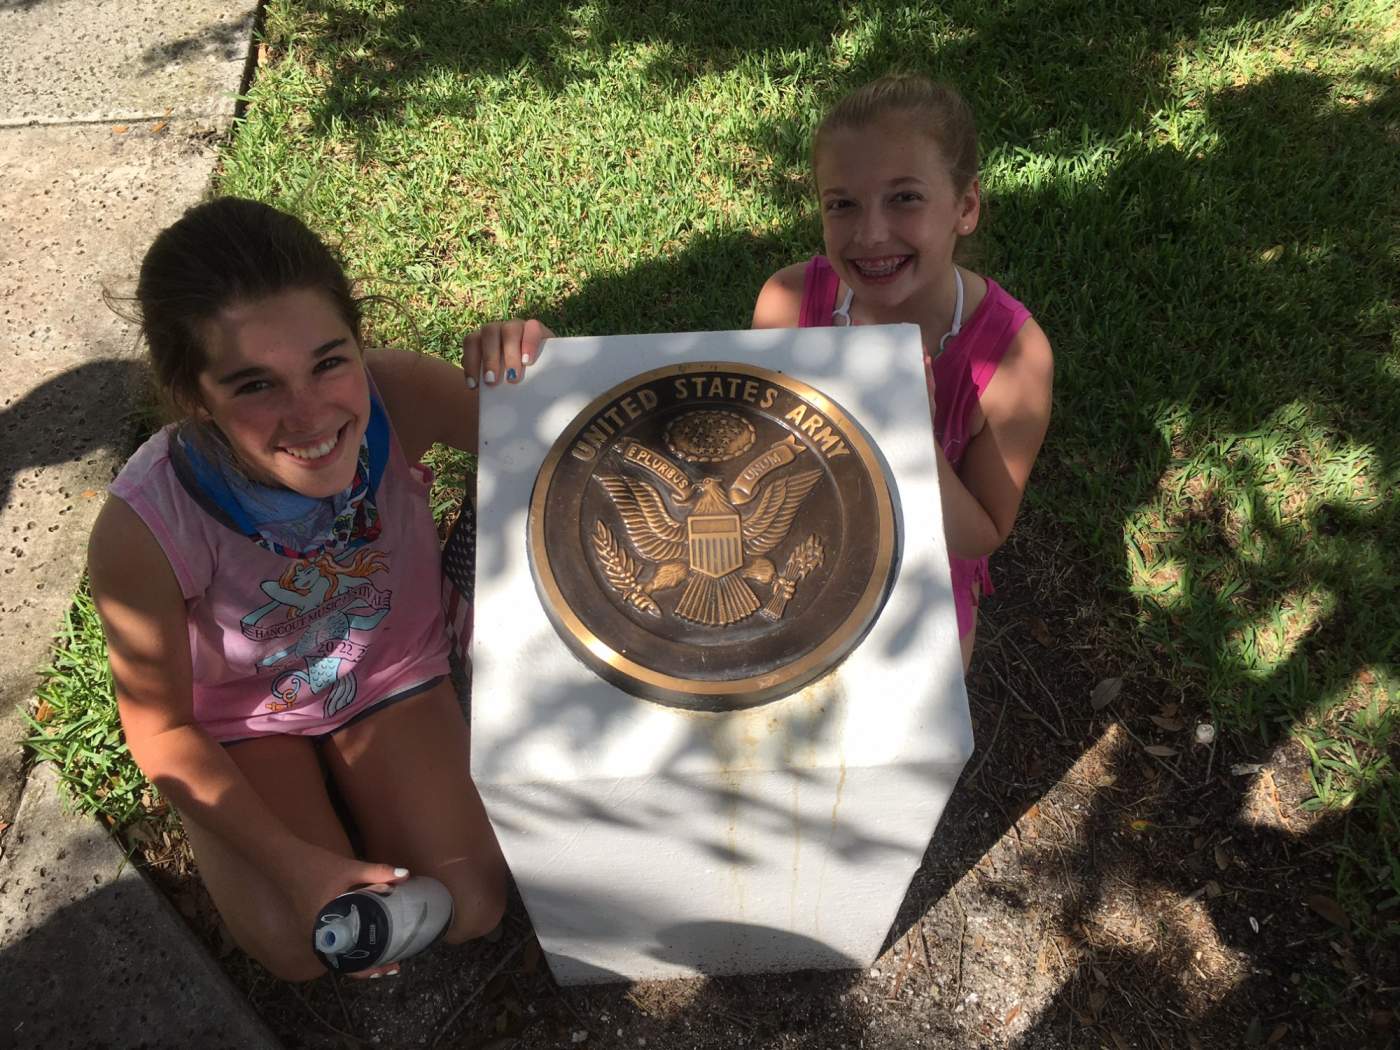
(502, 350)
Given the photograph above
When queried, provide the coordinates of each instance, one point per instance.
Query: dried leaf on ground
(1012, 1014)
(1105, 693)
(1276, 1035)
(44, 713)
(1254, 1034)
(1329, 910)
(1040, 632)
(1097, 998)
(143, 834)
(1161, 751)
(1246, 769)
(1171, 725)
(1222, 858)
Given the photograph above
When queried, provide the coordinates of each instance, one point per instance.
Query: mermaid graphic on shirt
(324, 601)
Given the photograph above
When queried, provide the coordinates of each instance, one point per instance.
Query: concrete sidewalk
(109, 127)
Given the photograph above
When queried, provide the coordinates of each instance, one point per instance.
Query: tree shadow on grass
(1033, 59)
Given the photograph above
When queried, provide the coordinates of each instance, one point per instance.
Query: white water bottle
(366, 928)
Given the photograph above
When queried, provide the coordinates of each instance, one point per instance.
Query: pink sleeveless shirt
(297, 645)
(961, 374)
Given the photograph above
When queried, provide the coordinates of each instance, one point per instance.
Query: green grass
(75, 724)
(1197, 201)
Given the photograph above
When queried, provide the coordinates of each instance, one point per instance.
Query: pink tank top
(961, 374)
(297, 645)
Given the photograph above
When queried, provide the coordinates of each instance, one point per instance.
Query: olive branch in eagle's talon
(621, 570)
(805, 557)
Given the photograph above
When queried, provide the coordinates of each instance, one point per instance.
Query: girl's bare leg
(405, 774)
(284, 770)
(967, 640)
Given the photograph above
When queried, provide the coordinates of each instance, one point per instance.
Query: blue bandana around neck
(286, 522)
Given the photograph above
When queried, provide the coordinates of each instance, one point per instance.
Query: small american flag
(459, 579)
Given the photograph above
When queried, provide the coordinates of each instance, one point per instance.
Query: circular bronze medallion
(712, 535)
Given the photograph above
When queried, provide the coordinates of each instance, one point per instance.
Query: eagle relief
(712, 535)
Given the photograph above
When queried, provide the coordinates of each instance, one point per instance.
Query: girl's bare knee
(288, 964)
(281, 956)
(478, 907)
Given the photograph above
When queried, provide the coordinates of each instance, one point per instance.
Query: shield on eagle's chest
(716, 546)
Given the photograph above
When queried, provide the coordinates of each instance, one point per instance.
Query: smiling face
(891, 214)
(285, 382)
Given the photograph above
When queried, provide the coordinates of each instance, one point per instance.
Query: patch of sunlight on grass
(1321, 37)
(1263, 645)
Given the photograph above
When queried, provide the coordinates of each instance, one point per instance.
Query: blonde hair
(937, 110)
(364, 564)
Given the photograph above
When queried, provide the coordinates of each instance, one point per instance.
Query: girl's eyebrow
(254, 371)
(840, 191)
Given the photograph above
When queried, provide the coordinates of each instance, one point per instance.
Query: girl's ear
(970, 207)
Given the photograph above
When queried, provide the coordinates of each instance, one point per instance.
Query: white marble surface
(650, 841)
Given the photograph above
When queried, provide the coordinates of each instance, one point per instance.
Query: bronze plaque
(712, 535)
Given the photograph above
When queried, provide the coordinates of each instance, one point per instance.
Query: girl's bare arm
(980, 504)
(432, 401)
(780, 299)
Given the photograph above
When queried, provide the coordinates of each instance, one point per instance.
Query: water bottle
(366, 928)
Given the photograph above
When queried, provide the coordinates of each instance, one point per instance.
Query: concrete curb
(93, 954)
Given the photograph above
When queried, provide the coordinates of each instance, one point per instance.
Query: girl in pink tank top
(269, 579)
(896, 173)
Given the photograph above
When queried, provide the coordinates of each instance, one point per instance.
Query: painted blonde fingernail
(490, 377)
(525, 359)
(471, 382)
(375, 976)
(400, 873)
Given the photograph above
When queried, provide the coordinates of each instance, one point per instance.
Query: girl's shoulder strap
(148, 484)
(990, 332)
(819, 287)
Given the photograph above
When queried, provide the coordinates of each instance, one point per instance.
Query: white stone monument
(650, 841)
